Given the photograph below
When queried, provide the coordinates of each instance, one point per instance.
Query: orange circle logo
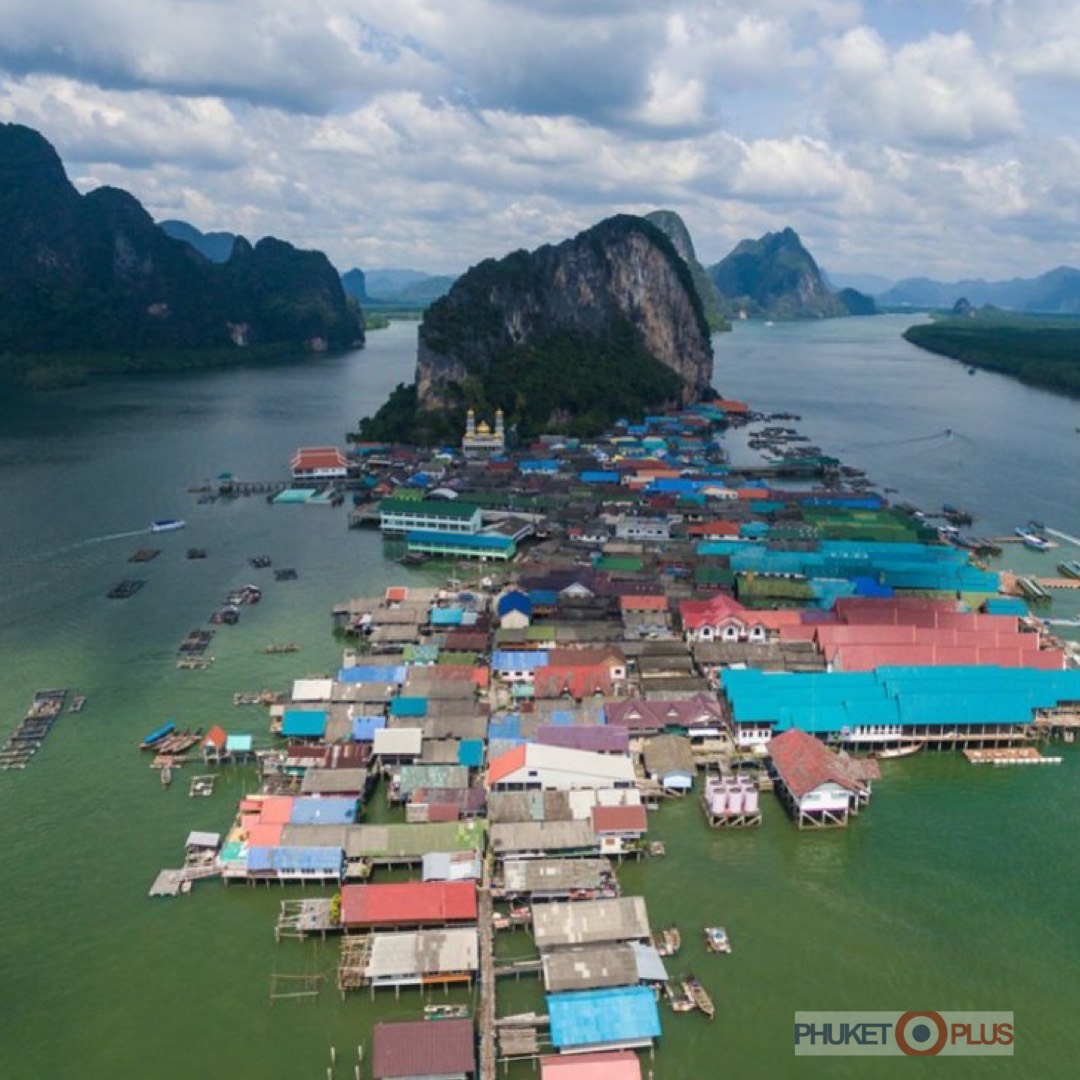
(902, 1038)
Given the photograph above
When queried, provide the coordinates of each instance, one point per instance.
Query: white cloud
(938, 91)
(433, 133)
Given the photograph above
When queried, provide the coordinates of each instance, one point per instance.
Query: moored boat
(897, 751)
(717, 940)
(698, 995)
(1033, 540)
(157, 735)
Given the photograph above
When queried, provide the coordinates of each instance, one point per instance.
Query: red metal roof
(610, 1065)
(215, 737)
(804, 763)
(318, 457)
(408, 903)
(714, 528)
(643, 603)
(421, 1048)
(619, 819)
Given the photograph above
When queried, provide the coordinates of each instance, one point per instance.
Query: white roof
(398, 741)
(203, 840)
(582, 800)
(614, 767)
(312, 689)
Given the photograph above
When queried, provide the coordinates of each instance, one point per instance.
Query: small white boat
(1033, 540)
(717, 940)
(166, 525)
(897, 751)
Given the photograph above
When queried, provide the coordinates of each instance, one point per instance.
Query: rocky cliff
(673, 226)
(606, 322)
(93, 273)
(775, 277)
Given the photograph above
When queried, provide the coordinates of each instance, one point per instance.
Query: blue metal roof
(524, 660)
(377, 673)
(326, 860)
(323, 811)
(505, 727)
(364, 727)
(514, 600)
(591, 1017)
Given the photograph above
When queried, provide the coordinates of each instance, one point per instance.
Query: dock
(178, 882)
(1012, 755)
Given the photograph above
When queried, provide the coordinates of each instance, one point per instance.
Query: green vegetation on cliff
(566, 338)
(559, 382)
(673, 226)
(1042, 352)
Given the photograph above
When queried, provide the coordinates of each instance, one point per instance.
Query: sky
(897, 137)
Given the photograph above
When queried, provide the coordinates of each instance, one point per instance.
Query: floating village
(585, 630)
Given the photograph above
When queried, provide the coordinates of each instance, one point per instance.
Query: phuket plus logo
(916, 1033)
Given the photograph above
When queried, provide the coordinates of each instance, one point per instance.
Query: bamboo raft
(25, 741)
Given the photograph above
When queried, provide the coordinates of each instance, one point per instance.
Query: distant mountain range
(1054, 293)
(396, 288)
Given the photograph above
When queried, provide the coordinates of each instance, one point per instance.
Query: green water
(955, 890)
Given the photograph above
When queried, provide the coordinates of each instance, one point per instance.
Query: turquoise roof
(409, 706)
(303, 723)
(823, 702)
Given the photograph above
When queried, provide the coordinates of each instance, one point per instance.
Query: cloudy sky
(898, 137)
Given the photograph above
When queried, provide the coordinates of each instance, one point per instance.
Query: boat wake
(948, 434)
(1063, 536)
(90, 542)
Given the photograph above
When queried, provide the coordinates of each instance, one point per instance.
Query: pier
(486, 1017)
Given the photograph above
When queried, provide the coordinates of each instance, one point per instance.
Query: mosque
(480, 440)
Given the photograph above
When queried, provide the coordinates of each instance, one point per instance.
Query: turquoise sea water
(955, 890)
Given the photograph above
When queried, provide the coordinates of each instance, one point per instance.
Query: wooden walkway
(486, 1018)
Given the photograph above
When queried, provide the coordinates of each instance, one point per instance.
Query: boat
(78, 703)
(157, 735)
(1033, 540)
(897, 751)
(1070, 569)
(166, 776)
(668, 941)
(717, 940)
(698, 995)
(166, 525)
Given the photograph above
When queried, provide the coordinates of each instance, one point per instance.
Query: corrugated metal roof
(609, 1065)
(597, 1017)
(408, 903)
(422, 1048)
